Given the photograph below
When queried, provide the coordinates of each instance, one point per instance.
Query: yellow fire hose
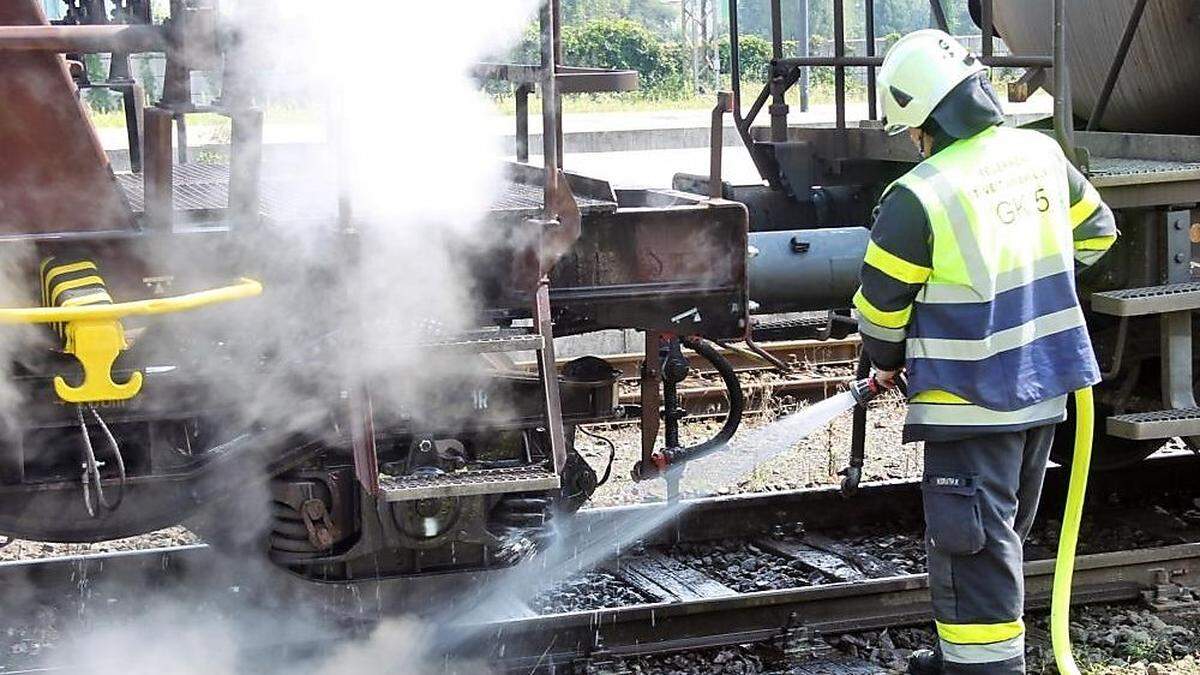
(1064, 563)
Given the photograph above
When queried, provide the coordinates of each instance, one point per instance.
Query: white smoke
(410, 151)
(410, 145)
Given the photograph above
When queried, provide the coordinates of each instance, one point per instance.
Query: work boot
(925, 662)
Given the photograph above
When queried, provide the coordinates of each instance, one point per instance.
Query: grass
(506, 105)
(276, 114)
(819, 94)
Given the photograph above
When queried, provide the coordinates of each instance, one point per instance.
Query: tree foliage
(624, 44)
(754, 56)
(655, 15)
(643, 35)
(891, 16)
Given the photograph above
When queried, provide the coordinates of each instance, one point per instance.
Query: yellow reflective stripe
(939, 396)
(879, 332)
(1086, 206)
(896, 319)
(49, 273)
(979, 633)
(1101, 243)
(894, 266)
(991, 653)
(71, 284)
(950, 265)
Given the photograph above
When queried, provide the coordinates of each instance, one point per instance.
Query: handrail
(245, 288)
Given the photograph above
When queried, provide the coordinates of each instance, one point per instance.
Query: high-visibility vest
(997, 323)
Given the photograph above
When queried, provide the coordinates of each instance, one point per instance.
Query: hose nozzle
(869, 388)
(866, 390)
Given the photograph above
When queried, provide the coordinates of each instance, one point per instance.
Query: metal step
(465, 483)
(1155, 424)
(789, 326)
(1148, 300)
(489, 344)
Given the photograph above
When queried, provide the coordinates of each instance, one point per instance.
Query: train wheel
(1110, 452)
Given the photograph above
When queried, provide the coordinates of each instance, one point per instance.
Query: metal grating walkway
(205, 187)
(1179, 297)
(1115, 171)
(489, 481)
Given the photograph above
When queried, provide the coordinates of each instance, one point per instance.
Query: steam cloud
(409, 144)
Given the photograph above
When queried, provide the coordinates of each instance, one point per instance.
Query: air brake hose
(1064, 563)
(737, 403)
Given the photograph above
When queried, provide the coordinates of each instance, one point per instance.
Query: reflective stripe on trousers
(983, 653)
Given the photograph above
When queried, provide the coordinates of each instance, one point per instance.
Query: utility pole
(698, 28)
(805, 39)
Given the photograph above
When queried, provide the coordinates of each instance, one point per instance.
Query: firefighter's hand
(886, 378)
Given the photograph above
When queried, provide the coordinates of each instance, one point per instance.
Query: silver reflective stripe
(967, 415)
(998, 342)
(1005, 281)
(880, 332)
(960, 223)
(1099, 224)
(1089, 257)
(989, 653)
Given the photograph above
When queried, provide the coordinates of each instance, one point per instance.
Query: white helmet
(918, 72)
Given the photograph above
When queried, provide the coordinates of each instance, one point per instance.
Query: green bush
(755, 53)
(625, 45)
(98, 99)
(620, 44)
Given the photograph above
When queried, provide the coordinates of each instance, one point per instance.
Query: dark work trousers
(980, 496)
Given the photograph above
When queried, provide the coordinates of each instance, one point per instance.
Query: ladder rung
(1148, 300)
(464, 483)
(1155, 424)
(506, 343)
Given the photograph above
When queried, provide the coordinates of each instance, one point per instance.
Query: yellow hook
(96, 343)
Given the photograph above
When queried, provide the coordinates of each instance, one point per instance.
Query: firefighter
(968, 286)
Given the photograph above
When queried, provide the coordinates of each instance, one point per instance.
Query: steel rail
(713, 400)
(821, 508)
(116, 579)
(833, 608)
(792, 352)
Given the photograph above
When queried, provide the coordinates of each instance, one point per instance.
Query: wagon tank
(1162, 65)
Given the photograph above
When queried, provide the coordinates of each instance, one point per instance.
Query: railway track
(820, 369)
(841, 581)
(796, 353)
(791, 620)
(712, 400)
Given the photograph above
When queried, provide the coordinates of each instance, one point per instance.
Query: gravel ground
(20, 549)
(740, 660)
(591, 590)
(743, 566)
(1107, 640)
(808, 462)
(1127, 639)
